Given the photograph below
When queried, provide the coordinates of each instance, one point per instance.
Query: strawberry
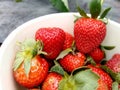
(52, 81)
(103, 76)
(68, 41)
(29, 68)
(97, 54)
(102, 85)
(35, 89)
(112, 67)
(71, 61)
(53, 40)
(82, 79)
(89, 32)
(114, 63)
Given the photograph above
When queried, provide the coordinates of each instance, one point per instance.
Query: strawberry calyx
(82, 12)
(80, 80)
(95, 8)
(57, 68)
(67, 51)
(28, 50)
(67, 83)
(64, 53)
(115, 86)
(95, 11)
(90, 60)
(107, 47)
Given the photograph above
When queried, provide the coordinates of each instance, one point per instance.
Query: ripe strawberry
(35, 89)
(52, 81)
(114, 63)
(82, 79)
(30, 69)
(53, 39)
(89, 32)
(103, 76)
(102, 85)
(72, 61)
(97, 54)
(68, 41)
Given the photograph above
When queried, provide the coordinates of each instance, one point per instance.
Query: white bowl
(27, 30)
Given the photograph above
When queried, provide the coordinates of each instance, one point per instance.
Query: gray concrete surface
(13, 14)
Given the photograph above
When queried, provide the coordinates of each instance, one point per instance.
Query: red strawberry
(30, 69)
(89, 32)
(53, 39)
(34, 89)
(102, 85)
(68, 41)
(103, 76)
(52, 81)
(114, 63)
(97, 54)
(72, 61)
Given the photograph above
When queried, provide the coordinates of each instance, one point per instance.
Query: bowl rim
(16, 30)
(13, 33)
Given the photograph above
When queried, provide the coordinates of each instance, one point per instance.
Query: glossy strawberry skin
(114, 63)
(52, 81)
(71, 62)
(88, 33)
(38, 72)
(103, 76)
(53, 39)
(68, 41)
(97, 54)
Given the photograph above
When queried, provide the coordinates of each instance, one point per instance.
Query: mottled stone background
(13, 14)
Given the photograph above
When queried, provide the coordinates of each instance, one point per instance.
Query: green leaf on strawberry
(57, 68)
(107, 47)
(84, 82)
(115, 86)
(80, 81)
(105, 12)
(27, 65)
(95, 8)
(61, 5)
(64, 53)
(67, 83)
(18, 61)
(82, 12)
(90, 60)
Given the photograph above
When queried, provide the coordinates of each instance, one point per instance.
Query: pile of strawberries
(57, 60)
